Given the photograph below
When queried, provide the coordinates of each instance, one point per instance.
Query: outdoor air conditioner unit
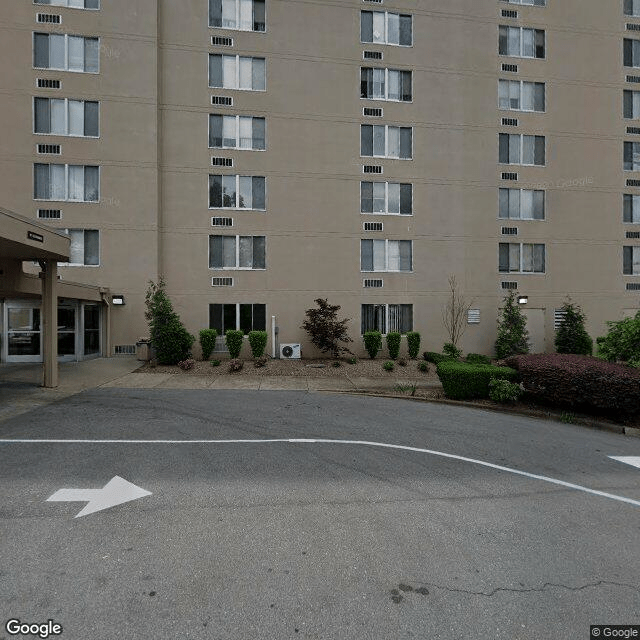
(290, 351)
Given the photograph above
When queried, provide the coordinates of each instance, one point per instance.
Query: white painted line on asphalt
(634, 461)
(400, 447)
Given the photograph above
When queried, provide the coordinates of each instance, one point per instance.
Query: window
(631, 52)
(236, 252)
(85, 247)
(631, 209)
(73, 183)
(521, 204)
(385, 84)
(67, 53)
(521, 42)
(248, 317)
(521, 149)
(241, 15)
(521, 258)
(521, 96)
(631, 261)
(534, 3)
(386, 198)
(384, 141)
(382, 27)
(631, 104)
(237, 72)
(632, 156)
(236, 132)
(237, 192)
(386, 255)
(66, 117)
(387, 317)
(75, 4)
(631, 7)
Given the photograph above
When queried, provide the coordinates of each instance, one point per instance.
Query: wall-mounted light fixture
(523, 299)
(118, 300)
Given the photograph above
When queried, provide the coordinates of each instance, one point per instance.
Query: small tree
(622, 342)
(372, 343)
(171, 341)
(454, 312)
(234, 339)
(394, 339)
(571, 336)
(258, 343)
(513, 337)
(325, 330)
(413, 344)
(208, 342)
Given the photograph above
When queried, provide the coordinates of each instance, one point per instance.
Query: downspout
(107, 328)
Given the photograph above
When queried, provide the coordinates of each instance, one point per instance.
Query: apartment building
(258, 154)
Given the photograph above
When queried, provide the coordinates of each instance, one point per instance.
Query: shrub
(423, 366)
(260, 361)
(435, 358)
(353, 360)
(325, 330)
(571, 336)
(580, 382)
(336, 364)
(187, 364)
(373, 343)
(388, 366)
(208, 342)
(402, 362)
(513, 337)
(413, 344)
(451, 351)
(215, 363)
(171, 341)
(234, 339)
(504, 391)
(258, 343)
(393, 344)
(235, 365)
(462, 381)
(622, 342)
(477, 358)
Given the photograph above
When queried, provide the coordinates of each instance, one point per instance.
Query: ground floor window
(247, 317)
(387, 317)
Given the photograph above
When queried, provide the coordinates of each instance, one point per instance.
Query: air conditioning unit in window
(290, 351)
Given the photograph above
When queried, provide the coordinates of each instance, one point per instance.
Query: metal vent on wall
(633, 78)
(224, 101)
(51, 149)
(49, 214)
(509, 176)
(633, 235)
(124, 350)
(371, 168)
(373, 226)
(222, 282)
(49, 18)
(509, 13)
(634, 130)
(510, 68)
(510, 122)
(509, 231)
(473, 316)
(509, 285)
(633, 183)
(45, 83)
(558, 317)
(372, 284)
(221, 41)
(222, 222)
(221, 162)
(633, 286)
(633, 27)
(372, 55)
(372, 112)
(373, 1)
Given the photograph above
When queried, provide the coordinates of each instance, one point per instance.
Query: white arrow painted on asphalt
(116, 491)
(634, 461)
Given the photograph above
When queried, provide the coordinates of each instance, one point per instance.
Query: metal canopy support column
(50, 323)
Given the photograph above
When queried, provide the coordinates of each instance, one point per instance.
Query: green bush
(622, 343)
(413, 344)
(393, 344)
(258, 343)
(451, 351)
(215, 363)
(234, 339)
(372, 343)
(513, 337)
(572, 337)
(423, 366)
(336, 364)
(325, 330)
(208, 342)
(462, 381)
(353, 361)
(388, 366)
(435, 358)
(504, 391)
(477, 358)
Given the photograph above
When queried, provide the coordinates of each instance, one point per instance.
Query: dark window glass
(627, 261)
(406, 31)
(627, 215)
(41, 51)
(91, 119)
(539, 39)
(406, 199)
(366, 197)
(215, 252)
(42, 115)
(406, 150)
(215, 13)
(258, 193)
(259, 15)
(503, 260)
(366, 140)
(366, 26)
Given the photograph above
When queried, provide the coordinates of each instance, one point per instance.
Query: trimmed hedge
(436, 358)
(413, 344)
(208, 342)
(372, 343)
(477, 358)
(462, 381)
(258, 343)
(580, 382)
(234, 339)
(393, 344)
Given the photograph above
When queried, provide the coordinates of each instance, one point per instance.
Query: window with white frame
(515, 257)
(386, 198)
(631, 208)
(85, 247)
(521, 204)
(521, 42)
(517, 95)
(631, 105)
(65, 182)
(386, 255)
(236, 252)
(385, 84)
(384, 27)
(386, 141)
(63, 117)
(631, 7)
(631, 52)
(245, 317)
(237, 192)
(631, 261)
(515, 148)
(237, 72)
(74, 4)
(240, 15)
(631, 156)
(533, 3)
(66, 53)
(386, 318)
(236, 132)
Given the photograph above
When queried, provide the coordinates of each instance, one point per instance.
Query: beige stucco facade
(153, 213)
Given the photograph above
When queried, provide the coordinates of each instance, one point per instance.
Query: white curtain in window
(393, 251)
(245, 73)
(527, 257)
(378, 27)
(229, 131)
(246, 15)
(528, 149)
(76, 53)
(58, 182)
(378, 140)
(514, 41)
(379, 255)
(76, 253)
(394, 197)
(379, 84)
(394, 317)
(528, 96)
(514, 149)
(246, 252)
(78, 4)
(514, 203)
(76, 183)
(636, 104)
(76, 118)
(229, 72)
(503, 94)
(378, 197)
(58, 121)
(514, 95)
(229, 14)
(229, 191)
(246, 132)
(393, 28)
(393, 146)
(246, 193)
(56, 52)
(229, 251)
(514, 257)
(526, 204)
(394, 85)
(528, 47)
(635, 209)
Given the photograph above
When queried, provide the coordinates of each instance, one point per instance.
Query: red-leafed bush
(580, 382)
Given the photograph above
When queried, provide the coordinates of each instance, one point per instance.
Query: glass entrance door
(91, 316)
(24, 333)
(67, 333)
